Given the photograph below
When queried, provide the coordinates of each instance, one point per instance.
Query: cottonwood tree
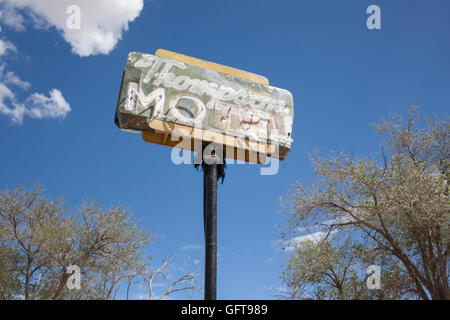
(393, 212)
(39, 241)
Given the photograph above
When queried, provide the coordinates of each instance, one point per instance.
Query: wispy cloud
(16, 111)
(12, 78)
(315, 237)
(314, 232)
(338, 220)
(270, 260)
(6, 46)
(10, 17)
(192, 247)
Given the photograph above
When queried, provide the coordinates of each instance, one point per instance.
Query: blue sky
(342, 75)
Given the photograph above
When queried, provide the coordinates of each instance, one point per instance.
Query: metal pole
(210, 177)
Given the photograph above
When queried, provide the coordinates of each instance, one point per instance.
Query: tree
(393, 213)
(39, 241)
(186, 281)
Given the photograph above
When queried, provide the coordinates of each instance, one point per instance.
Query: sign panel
(198, 102)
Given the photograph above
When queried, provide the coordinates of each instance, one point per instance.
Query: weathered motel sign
(185, 102)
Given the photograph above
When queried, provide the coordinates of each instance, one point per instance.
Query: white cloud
(102, 21)
(6, 46)
(339, 220)
(16, 113)
(54, 106)
(158, 285)
(11, 18)
(311, 233)
(13, 78)
(37, 106)
(314, 237)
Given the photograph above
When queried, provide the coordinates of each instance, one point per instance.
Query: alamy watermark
(73, 22)
(74, 280)
(373, 281)
(373, 22)
(219, 150)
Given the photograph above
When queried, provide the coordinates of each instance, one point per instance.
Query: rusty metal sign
(175, 98)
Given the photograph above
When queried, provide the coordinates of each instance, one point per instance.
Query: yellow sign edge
(212, 66)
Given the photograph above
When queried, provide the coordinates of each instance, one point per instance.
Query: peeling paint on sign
(157, 88)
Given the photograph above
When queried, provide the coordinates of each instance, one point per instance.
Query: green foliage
(394, 213)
